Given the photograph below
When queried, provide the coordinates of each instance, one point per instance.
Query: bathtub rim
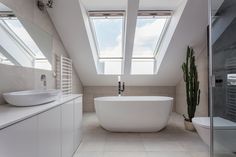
(131, 98)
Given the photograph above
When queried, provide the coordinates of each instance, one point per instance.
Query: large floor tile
(154, 145)
(92, 145)
(88, 154)
(160, 136)
(95, 136)
(123, 145)
(167, 154)
(123, 136)
(125, 154)
(194, 145)
(200, 154)
(172, 141)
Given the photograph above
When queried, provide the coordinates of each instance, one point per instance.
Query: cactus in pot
(190, 75)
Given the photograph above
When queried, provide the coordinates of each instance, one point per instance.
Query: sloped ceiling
(122, 4)
(190, 29)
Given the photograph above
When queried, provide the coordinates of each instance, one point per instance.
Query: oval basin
(31, 97)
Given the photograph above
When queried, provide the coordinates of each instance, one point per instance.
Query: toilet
(224, 131)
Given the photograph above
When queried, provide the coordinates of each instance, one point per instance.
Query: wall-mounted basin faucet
(120, 88)
(44, 80)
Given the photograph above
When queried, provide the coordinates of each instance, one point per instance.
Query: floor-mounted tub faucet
(44, 80)
(120, 89)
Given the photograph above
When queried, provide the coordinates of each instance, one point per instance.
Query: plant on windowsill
(190, 75)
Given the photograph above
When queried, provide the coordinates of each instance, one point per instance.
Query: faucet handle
(43, 77)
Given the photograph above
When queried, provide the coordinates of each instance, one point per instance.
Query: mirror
(23, 43)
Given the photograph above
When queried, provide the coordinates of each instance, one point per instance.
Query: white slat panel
(64, 74)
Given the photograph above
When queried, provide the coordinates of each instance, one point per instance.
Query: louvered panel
(64, 74)
(230, 67)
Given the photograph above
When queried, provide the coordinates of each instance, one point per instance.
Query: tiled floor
(173, 141)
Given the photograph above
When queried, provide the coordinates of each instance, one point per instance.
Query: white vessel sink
(31, 97)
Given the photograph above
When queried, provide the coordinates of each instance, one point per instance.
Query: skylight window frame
(162, 35)
(167, 14)
(111, 13)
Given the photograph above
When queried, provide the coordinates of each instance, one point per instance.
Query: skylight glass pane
(24, 36)
(108, 35)
(147, 35)
(112, 67)
(142, 67)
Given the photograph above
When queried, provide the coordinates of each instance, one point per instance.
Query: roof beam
(131, 19)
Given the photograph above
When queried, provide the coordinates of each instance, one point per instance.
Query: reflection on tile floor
(172, 141)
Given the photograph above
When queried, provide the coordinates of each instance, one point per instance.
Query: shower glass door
(223, 42)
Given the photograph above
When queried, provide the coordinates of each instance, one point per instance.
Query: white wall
(13, 78)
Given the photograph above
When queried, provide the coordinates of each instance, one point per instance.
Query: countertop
(11, 114)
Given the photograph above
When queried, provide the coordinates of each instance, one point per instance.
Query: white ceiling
(159, 4)
(104, 4)
(122, 4)
(190, 29)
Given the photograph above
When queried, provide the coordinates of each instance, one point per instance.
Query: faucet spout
(44, 80)
(121, 89)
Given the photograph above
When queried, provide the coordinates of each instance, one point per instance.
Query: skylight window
(150, 28)
(147, 36)
(108, 35)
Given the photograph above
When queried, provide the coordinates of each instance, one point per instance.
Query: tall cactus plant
(190, 75)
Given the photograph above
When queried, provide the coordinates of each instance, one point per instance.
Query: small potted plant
(190, 75)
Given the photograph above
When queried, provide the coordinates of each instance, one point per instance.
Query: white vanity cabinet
(49, 135)
(67, 129)
(77, 122)
(19, 140)
(52, 132)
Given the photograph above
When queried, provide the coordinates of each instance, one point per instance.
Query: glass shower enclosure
(223, 76)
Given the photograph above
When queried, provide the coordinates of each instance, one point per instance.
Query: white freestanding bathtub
(133, 113)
